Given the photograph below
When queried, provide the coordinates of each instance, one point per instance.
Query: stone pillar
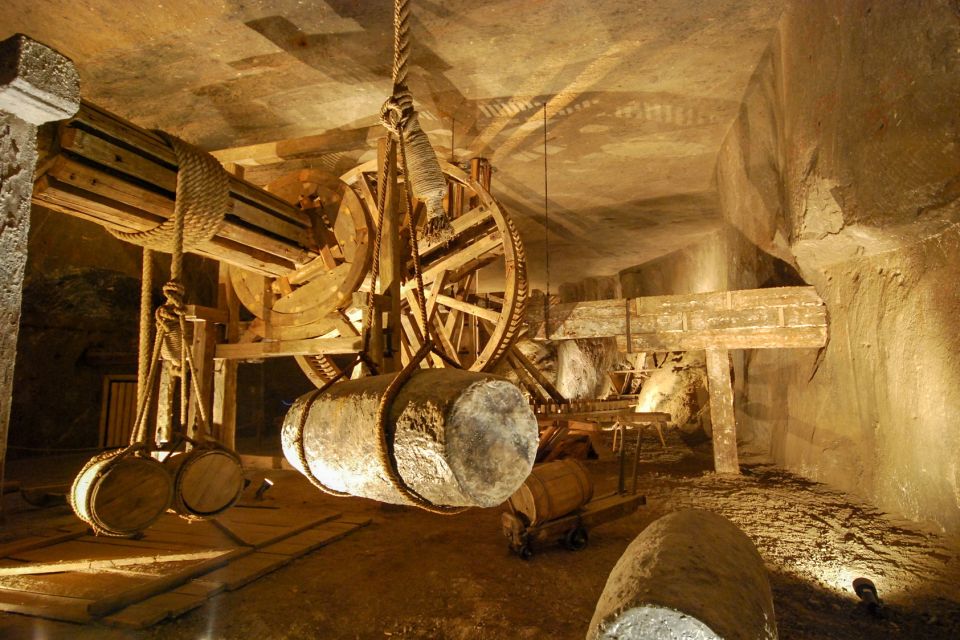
(37, 85)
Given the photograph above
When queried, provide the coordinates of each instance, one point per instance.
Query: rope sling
(426, 182)
(201, 204)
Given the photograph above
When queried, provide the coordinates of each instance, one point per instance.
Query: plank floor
(253, 541)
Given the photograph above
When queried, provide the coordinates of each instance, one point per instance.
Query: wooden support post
(203, 348)
(165, 403)
(391, 261)
(37, 85)
(721, 412)
(224, 414)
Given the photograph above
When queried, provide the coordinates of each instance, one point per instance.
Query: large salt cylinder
(461, 438)
(691, 575)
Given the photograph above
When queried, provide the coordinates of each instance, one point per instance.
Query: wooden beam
(721, 412)
(392, 264)
(785, 317)
(99, 564)
(299, 148)
(521, 361)
(280, 348)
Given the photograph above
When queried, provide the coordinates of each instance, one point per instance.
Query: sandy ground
(417, 575)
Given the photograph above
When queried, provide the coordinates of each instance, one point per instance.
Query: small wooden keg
(207, 481)
(121, 495)
(553, 490)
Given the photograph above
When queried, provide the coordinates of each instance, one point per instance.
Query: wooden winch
(297, 255)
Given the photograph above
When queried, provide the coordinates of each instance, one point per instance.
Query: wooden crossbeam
(784, 317)
(279, 348)
(298, 148)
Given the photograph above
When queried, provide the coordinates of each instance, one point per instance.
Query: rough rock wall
(845, 162)
(18, 154)
(582, 365)
(81, 301)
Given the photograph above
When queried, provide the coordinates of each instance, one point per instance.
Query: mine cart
(556, 503)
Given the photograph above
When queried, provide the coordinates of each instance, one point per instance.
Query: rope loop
(395, 114)
(386, 437)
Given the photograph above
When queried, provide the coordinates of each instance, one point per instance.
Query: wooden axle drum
(121, 495)
(461, 438)
(206, 481)
(552, 490)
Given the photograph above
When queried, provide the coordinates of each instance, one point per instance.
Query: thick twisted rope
(399, 116)
(202, 201)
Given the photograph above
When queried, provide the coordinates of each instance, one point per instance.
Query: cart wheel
(526, 552)
(576, 539)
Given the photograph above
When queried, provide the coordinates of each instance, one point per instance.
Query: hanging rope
(202, 201)
(399, 117)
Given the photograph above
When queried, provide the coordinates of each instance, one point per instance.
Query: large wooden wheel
(309, 302)
(475, 286)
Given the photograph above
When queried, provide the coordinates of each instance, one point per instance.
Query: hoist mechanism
(398, 267)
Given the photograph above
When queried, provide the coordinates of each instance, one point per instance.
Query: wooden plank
(259, 536)
(74, 584)
(466, 307)
(109, 604)
(721, 412)
(45, 606)
(312, 539)
(786, 317)
(281, 348)
(92, 564)
(459, 259)
(747, 338)
(155, 609)
(139, 207)
(247, 569)
(469, 220)
(38, 542)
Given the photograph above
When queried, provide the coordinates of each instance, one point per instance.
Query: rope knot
(168, 318)
(396, 112)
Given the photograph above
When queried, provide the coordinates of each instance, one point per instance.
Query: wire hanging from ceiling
(546, 231)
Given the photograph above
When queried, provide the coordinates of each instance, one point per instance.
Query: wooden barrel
(553, 490)
(121, 497)
(206, 481)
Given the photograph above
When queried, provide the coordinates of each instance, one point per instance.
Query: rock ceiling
(638, 95)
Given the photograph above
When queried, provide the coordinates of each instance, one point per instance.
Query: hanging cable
(546, 231)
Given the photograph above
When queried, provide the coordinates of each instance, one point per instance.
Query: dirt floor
(417, 575)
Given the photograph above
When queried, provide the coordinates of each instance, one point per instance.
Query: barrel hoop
(583, 489)
(111, 458)
(546, 495)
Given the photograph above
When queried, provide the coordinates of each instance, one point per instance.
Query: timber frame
(775, 318)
